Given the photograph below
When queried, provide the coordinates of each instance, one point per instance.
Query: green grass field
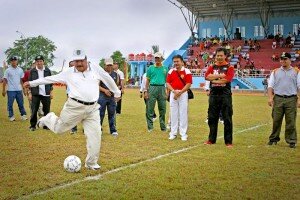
(31, 164)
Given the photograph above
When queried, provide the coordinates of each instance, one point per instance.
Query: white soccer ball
(72, 164)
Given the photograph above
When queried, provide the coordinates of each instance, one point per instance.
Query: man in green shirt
(156, 91)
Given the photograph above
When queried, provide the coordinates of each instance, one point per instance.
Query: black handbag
(189, 91)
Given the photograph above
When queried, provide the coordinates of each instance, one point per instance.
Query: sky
(99, 27)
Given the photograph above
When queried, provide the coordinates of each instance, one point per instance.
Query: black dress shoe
(292, 145)
(272, 143)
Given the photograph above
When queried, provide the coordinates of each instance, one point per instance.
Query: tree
(117, 56)
(30, 48)
(101, 63)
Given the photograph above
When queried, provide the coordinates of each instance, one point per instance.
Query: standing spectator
(107, 98)
(13, 79)
(39, 94)
(120, 86)
(156, 91)
(142, 92)
(83, 81)
(179, 80)
(25, 79)
(265, 84)
(220, 76)
(283, 87)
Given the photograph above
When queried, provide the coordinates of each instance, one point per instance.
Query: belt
(157, 84)
(83, 102)
(286, 96)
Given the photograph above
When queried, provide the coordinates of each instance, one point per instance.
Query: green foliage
(101, 63)
(117, 56)
(30, 48)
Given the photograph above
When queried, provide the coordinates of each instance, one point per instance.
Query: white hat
(109, 61)
(158, 55)
(78, 54)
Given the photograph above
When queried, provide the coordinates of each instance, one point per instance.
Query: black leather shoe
(272, 143)
(292, 145)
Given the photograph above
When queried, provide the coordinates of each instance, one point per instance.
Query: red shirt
(174, 80)
(229, 72)
(26, 76)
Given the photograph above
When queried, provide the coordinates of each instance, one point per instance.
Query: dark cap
(13, 58)
(285, 55)
(39, 57)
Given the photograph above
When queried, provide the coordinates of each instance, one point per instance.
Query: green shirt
(157, 75)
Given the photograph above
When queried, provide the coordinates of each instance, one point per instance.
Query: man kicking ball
(81, 106)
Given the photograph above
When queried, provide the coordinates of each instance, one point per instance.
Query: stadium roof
(213, 8)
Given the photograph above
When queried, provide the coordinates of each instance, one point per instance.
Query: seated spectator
(257, 46)
(274, 45)
(247, 56)
(275, 57)
(297, 54)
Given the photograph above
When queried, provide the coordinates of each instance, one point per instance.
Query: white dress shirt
(120, 73)
(83, 86)
(42, 89)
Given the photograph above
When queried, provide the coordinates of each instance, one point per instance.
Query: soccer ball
(72, 164)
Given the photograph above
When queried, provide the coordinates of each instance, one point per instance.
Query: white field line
(97, 177)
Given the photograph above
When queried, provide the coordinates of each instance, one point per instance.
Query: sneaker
(229, 145)
(115, 134)
(12, 119)
(272, 143)
(163, 130)
(40, 124)
(154, 119)
(23, 117)
(93, 167)
(172, 137)
(221, 121)
(32, 128)
(208, 142)
(184, 138)
(150, 130)
(206, 121)
(73, 132)
(292, 145)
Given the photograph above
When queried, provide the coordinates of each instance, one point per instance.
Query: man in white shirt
(39, 94)
(120, 86)
(81, 106)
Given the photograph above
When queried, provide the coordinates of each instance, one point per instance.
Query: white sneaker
(150, 130)
(12, 119)
(206, 121)
(23, 117)
(184, 138)
(172, 137)
(221, 121)
(115, 134)
(93, 167)
(154, 119)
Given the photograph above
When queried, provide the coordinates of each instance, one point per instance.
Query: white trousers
(179, 114)
(72, 114)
